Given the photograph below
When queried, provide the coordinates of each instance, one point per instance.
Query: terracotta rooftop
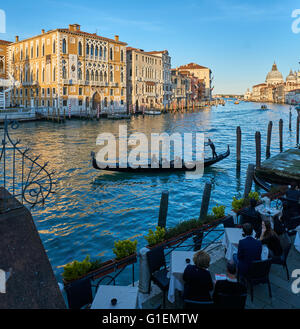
(192, 66)
(259, 85)
(4, 42)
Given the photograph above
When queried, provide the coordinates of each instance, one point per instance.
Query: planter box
(126, 261)
(106, 268)
(186, 235)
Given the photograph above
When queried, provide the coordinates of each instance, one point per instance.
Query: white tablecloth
(297, 239)
(177, 267)
(231, 239)
(268, 213)
(126, 297)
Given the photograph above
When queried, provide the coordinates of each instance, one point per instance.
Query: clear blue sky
(238, 40)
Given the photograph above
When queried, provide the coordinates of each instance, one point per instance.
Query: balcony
(113, 84)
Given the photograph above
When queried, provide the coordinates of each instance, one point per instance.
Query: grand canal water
(92, 209)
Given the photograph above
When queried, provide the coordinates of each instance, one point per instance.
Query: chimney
(116, 38)
(74, 27)
(43, 31)
(17, 38)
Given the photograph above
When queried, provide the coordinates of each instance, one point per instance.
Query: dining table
(179, 260)
(268, 213)
(231, 239)
(115, 297)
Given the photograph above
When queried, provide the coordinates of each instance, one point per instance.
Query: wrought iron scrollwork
(22, 175)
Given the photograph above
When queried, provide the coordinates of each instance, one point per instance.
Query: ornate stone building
(144, 79)
(203, 73)
(167, 81)
(275, 89)
(68, 67)
(4, 77)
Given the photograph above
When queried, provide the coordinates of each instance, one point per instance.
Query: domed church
(274, 77)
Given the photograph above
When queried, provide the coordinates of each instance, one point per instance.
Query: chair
(224, 301)
(228, 222)
(158, 270)
(198, 239)
(286, 245)
(292, 223)
(79, 294)
(259, 273)
(194, 304)
(255, 221)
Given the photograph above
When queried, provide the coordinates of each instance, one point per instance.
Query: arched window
(64, 72)
(87, 75)
(43, 49)
(31, 52)
(37, 50)
(122, 56)
(80, 48)
(96, 51)
(100, 51)
(64, 46)
(92, 50)
(105, 102)
(97, 76)
(101, 76)
(87, 49)
(105, 50)
(54, 74)
(31, 76)
(122, 76)
(111, 76)
(37, 75)
(53, 47)
(92, 76)
(105, 77)
(79, 74)
(43, 75)
(111, 54)
(1, 65)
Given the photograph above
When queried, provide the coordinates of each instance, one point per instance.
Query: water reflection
(91, 209)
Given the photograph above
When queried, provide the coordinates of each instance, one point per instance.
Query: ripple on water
(92, 209)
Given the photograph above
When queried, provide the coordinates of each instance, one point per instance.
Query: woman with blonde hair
(198, 282)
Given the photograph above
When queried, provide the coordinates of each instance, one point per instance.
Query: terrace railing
(20, 173)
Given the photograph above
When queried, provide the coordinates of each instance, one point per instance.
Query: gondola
(207, 162)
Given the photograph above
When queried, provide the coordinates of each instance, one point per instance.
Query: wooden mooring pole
(269, 136)
(205, 200)
(163, 209)
(249, 180)
(290, 120)
(280, 135)
(258, 148)
(297, 130)
(238, 145)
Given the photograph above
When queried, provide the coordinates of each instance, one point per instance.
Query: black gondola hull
(148, 169)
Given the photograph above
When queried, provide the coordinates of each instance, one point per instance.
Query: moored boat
(152, 112)
(264, 107)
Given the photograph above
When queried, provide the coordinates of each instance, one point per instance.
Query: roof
(260, 85)
(192, 66)
(151, 53)
(157, 52)
(64, 30)
(4, 42)
(92, 35)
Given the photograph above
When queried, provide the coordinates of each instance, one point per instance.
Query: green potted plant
(239, 204)
(78, 269)
(125, 251)
(155, 237)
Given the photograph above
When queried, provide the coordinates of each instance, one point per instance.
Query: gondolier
(213, 148)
